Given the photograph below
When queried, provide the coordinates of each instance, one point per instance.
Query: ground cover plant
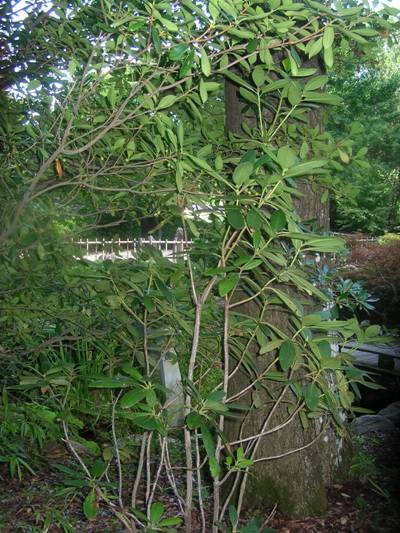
(173, 113)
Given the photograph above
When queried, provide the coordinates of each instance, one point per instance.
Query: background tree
(122, 122)
(367, 197)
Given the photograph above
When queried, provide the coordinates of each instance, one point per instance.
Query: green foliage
(124, 122)
(348, 297)
(368, 188)
(364, 469)
(156, 522)
(388, 238)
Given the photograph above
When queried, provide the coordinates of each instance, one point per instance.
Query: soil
(359, 505)
(368, 504)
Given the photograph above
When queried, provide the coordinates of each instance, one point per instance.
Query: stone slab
(367, 423)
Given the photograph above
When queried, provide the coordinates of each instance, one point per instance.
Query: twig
(199, 485)
(160, 466)
(148, 466)
(139, 470)
(116, 447)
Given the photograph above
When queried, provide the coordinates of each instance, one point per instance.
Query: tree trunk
(297, 481)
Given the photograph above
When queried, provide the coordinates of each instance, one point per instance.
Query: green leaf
(178, 51)
(235, 218)
(314, 48)
(242, 172)
(212, 85)
(366, 32)
(271, 346)
(326, 244)
(40, 251)
(241, 34)
(119, 143)
(233, 516)
(149, 304)
(275, 85)
(344, 157)
(156, 512)
(219, 163)
(278, 220)
(171, 521)
(205, 63)
(258, 75)
(251, 265)
(350, 12)
(180, 133)
(304, 420)
(328, 37)
(228, 8)
(167, 101)
(171, 26)
(34, 84)
(187, 63)
(320, 7)
(145, 421)
(287, 355)
(227, 284)
(132, 372)
(325, 348)
(286, 157)
(238, 80)
(123, 20)
(193, 227)
(179, 177)
(112, 96)
(322, 98)
(110, 383)
(151, 397)
(254, 219)
(90, 506)
(194, 420)
(210, 450)
(311, 320)
(373, 331)
(311, 396)
(290, 302)
(204, 165)
(303, 284)
(328, 57)
(304, 72)
(155, 37)
(316, 83)
(294, 67)
(203, 91)
(132, 397)
(325, 196)
(302, 169)
(330, 363)
(215, 406)
(248, 95)
(294, 94)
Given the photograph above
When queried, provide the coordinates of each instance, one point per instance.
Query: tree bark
(296, 482)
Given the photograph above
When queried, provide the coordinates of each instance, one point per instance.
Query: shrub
(376, 262)
(389, 238)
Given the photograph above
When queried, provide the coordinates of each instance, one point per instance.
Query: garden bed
(37, 504)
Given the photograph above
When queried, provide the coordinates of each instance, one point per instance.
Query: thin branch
(295, 450)
(139, 470)
(116, 447)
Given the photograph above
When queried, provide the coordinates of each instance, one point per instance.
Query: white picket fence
(99, 250)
